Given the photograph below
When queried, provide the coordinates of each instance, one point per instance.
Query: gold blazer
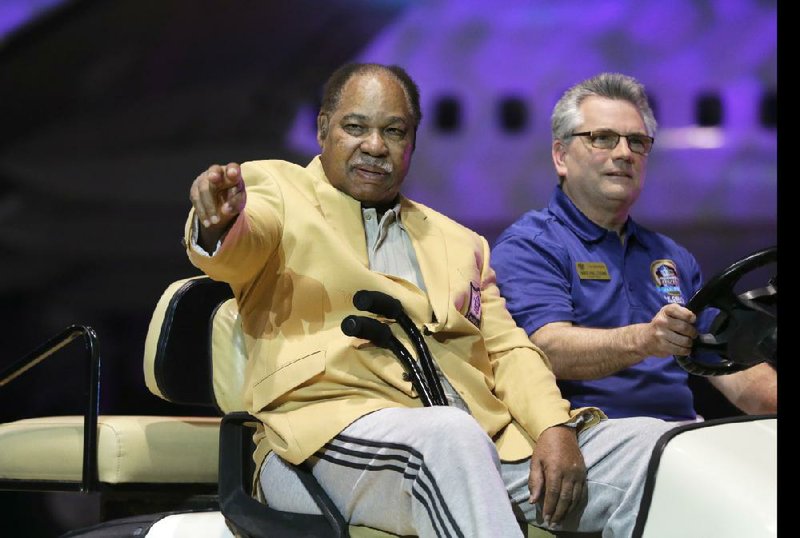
(294, 259)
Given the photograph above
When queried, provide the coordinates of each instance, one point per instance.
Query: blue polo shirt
(557, 265)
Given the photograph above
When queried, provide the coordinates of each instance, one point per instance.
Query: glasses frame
(592, 134)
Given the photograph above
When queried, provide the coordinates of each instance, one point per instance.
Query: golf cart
(711, 478)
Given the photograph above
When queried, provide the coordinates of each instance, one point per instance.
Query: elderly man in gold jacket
(296, 243)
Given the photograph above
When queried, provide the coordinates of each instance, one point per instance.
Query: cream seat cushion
(131, 449)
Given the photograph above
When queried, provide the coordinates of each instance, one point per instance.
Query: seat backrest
(228, 357)
(177, 359)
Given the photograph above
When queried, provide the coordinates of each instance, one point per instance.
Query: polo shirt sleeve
(533, 277)
(695, 273)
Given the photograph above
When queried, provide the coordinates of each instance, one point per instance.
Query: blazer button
(406, 377)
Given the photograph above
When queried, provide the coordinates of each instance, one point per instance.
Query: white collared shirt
(389, 247)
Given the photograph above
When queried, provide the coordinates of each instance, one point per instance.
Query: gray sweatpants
(433, 471)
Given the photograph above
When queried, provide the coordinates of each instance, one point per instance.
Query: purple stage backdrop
(114, 109)
(490, 73)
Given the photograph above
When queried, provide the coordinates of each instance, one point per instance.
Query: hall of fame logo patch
(474, 310)
(665, 277)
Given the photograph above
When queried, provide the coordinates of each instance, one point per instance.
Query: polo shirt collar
(567, 212)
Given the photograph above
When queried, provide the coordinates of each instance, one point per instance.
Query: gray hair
(567, 116)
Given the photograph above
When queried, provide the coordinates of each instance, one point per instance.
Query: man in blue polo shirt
(602, 296)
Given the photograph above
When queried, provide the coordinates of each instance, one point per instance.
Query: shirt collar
(395, 209)
(567, 212)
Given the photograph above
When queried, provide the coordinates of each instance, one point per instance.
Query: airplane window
(447, 114)
(768, 111)
(513, 114)
(708, 110)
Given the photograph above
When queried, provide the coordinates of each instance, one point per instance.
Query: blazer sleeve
(252, 238)
(523, 377)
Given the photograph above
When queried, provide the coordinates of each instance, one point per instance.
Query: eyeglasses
(638, 143)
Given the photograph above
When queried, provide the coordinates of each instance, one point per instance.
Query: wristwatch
(577, 421)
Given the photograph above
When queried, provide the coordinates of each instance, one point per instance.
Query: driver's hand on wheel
(218, 195)
(670, 332)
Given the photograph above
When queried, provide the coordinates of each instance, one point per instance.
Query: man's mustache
(369, 162)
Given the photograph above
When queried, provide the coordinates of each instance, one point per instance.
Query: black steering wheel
(745, 330)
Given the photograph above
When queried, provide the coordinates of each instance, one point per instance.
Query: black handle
(378, 303)
(387, 306)
(381, 335)
(369, 329)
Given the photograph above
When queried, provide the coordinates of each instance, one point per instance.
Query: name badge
(592, 271)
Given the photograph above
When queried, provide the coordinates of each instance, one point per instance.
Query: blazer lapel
(343, 212)
(431, 250)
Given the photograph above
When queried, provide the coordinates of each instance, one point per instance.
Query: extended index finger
(221, 178)
(211, 189)
(230, 176)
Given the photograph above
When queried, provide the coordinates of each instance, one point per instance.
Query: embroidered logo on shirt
(474, 311)
(592, 271)
(665, 277)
